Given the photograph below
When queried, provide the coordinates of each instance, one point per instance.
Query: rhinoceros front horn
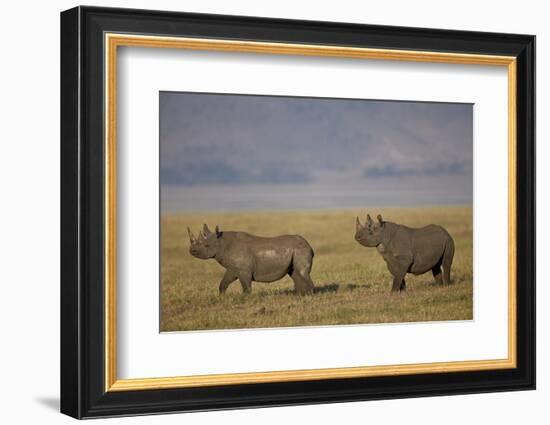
(191, 237)
(357, 223)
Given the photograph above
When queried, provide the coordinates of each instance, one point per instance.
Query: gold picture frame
(114, 41)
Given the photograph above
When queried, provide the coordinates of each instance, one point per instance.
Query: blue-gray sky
(233, 141)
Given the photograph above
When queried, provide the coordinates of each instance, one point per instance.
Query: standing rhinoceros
(254, 258)
(407, 250)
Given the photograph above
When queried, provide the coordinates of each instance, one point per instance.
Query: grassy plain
(352, 282)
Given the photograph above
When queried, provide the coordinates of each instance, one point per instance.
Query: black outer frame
(82, 217)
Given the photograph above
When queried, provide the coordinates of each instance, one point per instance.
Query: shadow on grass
(319, 289)
(329, 287)
(353, 286)
(326, 288)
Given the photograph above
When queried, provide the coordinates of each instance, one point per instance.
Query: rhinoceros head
(371, 233)
(206, 244)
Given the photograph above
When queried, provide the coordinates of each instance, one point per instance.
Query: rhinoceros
(254, 258)
(408, 250)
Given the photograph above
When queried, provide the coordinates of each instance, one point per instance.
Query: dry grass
(352, 282)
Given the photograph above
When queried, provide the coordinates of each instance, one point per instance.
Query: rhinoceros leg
(309, 284)
(447, 274)
(448, 261)
(302, 283)
(398, 266)
(398, 281)
(437, 274)
(302, 261)
(228, 278)
(246, 281)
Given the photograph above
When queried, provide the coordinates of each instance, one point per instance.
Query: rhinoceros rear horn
(369, 220)
(191, 237)
(206, 230)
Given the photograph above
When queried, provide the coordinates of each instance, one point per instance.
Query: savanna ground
(352, 282)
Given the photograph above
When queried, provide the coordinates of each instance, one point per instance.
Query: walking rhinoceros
(254, 258)
(407, 250)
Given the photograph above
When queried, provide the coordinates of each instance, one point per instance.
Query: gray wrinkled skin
(407, 250)
(254, 258)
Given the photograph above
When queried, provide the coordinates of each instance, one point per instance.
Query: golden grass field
(352, 282)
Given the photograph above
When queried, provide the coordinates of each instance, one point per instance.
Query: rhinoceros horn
(358, 224)
(191, 237)
(206, 230)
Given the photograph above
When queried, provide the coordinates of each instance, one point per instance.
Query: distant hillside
(232, 139)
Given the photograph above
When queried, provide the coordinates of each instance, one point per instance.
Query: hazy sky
(237, 140)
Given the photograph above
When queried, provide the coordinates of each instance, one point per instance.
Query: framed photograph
(261, 212)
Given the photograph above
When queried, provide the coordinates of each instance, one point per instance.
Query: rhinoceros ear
(191, 237)
(218, 231)
(206, 230)
(358, 225)
(380, 220)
